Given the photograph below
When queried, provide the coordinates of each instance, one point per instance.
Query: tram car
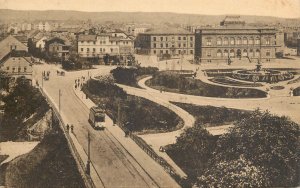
(97, 118)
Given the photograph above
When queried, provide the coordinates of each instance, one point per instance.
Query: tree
(266, 141)
(193, 149)
(235, 173)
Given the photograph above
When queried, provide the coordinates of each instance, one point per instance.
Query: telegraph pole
(88, 166)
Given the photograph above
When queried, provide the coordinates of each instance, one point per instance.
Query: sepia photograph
(149, 93)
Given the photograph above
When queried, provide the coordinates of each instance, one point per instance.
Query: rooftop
(87, 37)
(168, 30)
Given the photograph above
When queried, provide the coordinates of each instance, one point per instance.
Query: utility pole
(42, 80)
(88, 166)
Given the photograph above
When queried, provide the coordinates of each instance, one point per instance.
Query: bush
(296, 92)
(129, 76)
(176, 83)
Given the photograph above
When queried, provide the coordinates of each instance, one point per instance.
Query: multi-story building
(166, 42)
(58, 46)
(113, 44)
(236, 41)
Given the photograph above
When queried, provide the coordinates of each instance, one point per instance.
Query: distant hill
(137, 17)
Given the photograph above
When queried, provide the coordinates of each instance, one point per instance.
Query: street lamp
(88, 164)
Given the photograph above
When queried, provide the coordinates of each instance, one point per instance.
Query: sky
(277, 8)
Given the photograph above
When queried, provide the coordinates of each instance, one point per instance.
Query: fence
(80, 164)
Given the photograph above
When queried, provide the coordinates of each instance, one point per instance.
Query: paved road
(113, 163)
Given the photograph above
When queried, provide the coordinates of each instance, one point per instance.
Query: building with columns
(235, 41)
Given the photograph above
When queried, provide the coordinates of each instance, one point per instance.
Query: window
(19, 69)
(82, 49)
(179, 45)
(161, 45)
(251, 53)
(208, 42)
(184, 52)
(239, 41)
(191, 45)
(25, 69)
(154, 51)
(94, 42)
(154, 45)
(219, 41)
(257, 41)
(219, 53)
(191, 38)
(179, 51)
(232, 41)
(166, 38)
(161, 51)
(225, 42)
(179, 38)
(87, 49)
(161, 38)
(184, 44)
(154, 38)
(251, 41)
(245, 41)
(245, 53)
(191, 51)
(267, 41)
(184, 38)
(231, 53)
(100, 49)
(13, 69)
(7, 68)
(226, 53)
(167, 52)
(111, 50)
(268, 53)
(94, 49)
(167, 45)
(208, 53)
(257, 53)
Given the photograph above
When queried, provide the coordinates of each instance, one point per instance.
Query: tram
(97, 118)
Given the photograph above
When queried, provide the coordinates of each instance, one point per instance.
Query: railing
(80, 164)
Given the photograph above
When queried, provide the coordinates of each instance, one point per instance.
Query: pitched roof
(5, 45)
(167, 30)
(87, 38)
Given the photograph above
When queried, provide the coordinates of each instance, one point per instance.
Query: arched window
(251, 54)
(239, 41)
(219, 53)
(251, 41)
(219, 41)
(231, 41)
(245, 41)
(225, 42)
(268, 41)
(231, 54)
(245, 53)
(225, 53)
(268, 53)
(257, 52)
(208, 42)
(257, 41)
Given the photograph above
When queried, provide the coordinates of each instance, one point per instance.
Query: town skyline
(273, 8)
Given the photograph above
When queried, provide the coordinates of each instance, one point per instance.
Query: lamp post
(59, 95)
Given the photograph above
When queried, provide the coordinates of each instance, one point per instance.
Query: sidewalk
(153, 169)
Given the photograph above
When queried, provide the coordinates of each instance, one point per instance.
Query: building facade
(166, 43)
(58, 46)
(235, 41)
(113, 44)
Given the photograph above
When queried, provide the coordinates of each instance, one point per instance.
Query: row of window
(184, 45)
(100, 49)
(173, 38)
(104, 42)
(238, 41)
(19, 69)
(167, 51)
(238, 53)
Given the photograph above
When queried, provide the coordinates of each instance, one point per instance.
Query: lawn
(175, 83)
(209, 116)
(135, 113)
(231, 82)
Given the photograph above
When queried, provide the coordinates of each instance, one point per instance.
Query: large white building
(113, 44)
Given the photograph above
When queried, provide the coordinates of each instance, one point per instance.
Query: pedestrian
(72, 128)
(68, 127)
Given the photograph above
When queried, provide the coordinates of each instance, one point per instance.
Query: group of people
(79, 82)
(70, 127)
